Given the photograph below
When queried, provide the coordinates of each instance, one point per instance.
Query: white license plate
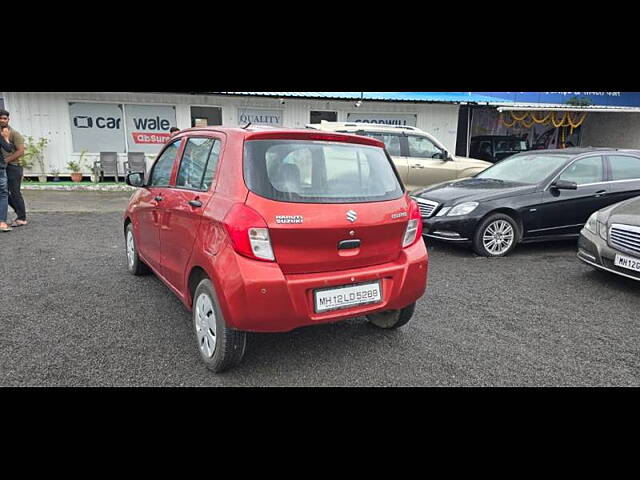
(347, 296)
(629, 263)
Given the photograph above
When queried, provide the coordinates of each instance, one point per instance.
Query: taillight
(414, 227)
(249, 233)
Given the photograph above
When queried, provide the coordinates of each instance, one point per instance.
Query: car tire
(496, 236)
(392, 318)
(135, 266)
(220, 347)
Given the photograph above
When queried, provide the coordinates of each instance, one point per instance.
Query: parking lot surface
(72, 316)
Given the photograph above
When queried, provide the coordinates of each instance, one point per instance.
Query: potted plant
(33, 153)
(76, 167)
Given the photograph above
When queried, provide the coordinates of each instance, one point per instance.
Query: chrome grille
(426, 207)
(625, 237)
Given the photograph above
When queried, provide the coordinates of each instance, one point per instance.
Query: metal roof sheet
(443, 97)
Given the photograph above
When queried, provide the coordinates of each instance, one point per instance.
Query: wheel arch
(510, 212)
(196, 275)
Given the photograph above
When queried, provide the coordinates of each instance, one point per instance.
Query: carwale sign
(148, 126)
(96, 127)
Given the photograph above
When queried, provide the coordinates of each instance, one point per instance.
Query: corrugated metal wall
(42, 114)
(614, 130)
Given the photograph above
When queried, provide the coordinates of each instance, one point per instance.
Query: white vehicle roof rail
(360, 124)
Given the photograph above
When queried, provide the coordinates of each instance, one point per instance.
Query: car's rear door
(147, 217)
(185, 204)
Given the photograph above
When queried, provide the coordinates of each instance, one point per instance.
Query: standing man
(14, 169)
(4, 193)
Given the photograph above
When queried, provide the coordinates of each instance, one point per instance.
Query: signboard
(148, 126)
(260, 117)
(617, 99)
(383, 118)
(97, 127)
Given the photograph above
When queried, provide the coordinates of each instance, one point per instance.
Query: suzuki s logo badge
(352, 216)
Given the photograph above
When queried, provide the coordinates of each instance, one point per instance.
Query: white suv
(420, 158)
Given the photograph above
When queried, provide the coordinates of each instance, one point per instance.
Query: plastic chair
(107, 166)
(136, 162)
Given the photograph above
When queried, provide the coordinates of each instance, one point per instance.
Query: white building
(139, 122)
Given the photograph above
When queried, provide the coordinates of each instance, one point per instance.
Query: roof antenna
(247, 125)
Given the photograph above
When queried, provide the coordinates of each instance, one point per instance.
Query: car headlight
(463, 209)
(602, 230)
(592, 223)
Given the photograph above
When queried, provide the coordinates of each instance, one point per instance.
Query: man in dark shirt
(4, 190)
(14, 169)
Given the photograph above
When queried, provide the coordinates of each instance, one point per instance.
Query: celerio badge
(399, 215)
(289, 219)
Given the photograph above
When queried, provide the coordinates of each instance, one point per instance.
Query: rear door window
(319, 172)
(391, 141)
(198, 164)
(624, 167)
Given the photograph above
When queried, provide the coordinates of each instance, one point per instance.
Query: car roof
(495, 137)
(575, 151)
(333, 126)
(267, 132)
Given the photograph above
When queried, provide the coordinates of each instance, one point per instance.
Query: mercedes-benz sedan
(532, 196)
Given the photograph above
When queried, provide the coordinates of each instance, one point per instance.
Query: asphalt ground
(71, 315)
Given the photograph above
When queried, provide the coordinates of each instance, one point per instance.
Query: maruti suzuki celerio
(268, 230)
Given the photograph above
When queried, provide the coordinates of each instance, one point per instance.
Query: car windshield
(319, 172)
(530, 169)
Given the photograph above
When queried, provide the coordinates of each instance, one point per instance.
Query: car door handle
(195, 203)
(417, 166)
(157, 198)
(599, 193)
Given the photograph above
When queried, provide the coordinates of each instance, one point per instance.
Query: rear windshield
(319, 172)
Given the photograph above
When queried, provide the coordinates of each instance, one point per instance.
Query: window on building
(317, 116)
(206, 116)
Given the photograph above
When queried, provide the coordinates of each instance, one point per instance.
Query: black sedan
(610, 240)
(532, 196)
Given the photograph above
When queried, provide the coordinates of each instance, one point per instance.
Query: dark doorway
(206, 116)
(463, 129)
(317, 116)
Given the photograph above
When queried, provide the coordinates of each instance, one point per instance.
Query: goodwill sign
(383, 119)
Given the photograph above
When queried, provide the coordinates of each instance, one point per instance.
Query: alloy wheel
(498, 237)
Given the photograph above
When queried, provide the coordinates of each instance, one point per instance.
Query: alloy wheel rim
(498, 237)
(131, 248)
(205, 323)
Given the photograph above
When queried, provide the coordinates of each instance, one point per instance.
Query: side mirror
(135, 179)
(446, 156)
(564, 185)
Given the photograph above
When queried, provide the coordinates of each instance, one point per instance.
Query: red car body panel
(175, 240)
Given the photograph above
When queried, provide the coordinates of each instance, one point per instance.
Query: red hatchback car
(268, 230)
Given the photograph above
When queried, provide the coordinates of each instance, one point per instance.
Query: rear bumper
(257, 297)
(595, 251)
